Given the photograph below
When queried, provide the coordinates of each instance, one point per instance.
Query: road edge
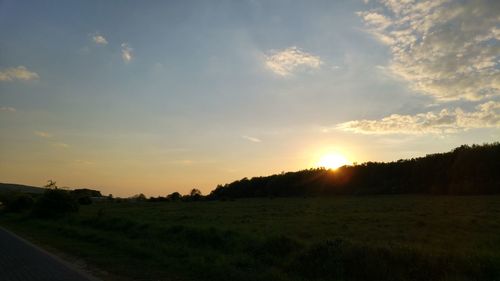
(67, 264)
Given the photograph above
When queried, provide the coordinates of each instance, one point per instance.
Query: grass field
(341, 238)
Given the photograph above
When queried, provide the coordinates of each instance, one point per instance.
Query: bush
(55, 202)
(84, 200)
(18, 202)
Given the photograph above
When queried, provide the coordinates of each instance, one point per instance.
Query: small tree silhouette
(194, 195)
(51, 184)
(139, 197)
(174, 196)
(195, 192)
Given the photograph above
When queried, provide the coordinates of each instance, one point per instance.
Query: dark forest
(466, 170)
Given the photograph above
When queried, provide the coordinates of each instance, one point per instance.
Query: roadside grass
(340, 238)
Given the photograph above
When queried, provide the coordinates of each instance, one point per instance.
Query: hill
(11, 187)
(19, 188)
(466, 170)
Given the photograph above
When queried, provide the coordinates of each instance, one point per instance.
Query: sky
(154, 97)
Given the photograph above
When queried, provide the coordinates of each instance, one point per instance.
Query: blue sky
(162, 96)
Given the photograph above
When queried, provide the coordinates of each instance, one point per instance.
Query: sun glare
(332, 161)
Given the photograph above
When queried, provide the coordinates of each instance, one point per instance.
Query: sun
(332, 161)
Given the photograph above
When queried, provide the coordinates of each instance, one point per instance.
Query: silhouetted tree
(195, 192)
(194, 195)
(51, 184)
(139, 197)
(174, 196)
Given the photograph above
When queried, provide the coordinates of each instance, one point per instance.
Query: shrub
(18, 202)
(55, 202)
(84, 200)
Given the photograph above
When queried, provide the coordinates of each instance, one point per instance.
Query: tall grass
(386, 238)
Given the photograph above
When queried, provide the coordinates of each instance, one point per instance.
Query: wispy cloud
(60, 144)
(127, 52)
(445, 49)
(17, 73)
(50, 139)
(486, 115)
(7, 109)
(286, 62)
(252, 139)
(99, 39)
(43, 134)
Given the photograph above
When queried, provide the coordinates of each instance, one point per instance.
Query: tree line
(466, 170)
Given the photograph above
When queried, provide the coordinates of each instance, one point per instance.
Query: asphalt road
(22, 261)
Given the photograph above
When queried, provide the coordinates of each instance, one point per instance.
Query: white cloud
(127, 54)
(17, 73)
(43, 134)
(287, 61)
(252, 139)
(446, 49)
(375, 20)
(99, 39)
(7, 109)
(486, 115)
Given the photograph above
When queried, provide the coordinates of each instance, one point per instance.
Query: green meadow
(400, 237)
